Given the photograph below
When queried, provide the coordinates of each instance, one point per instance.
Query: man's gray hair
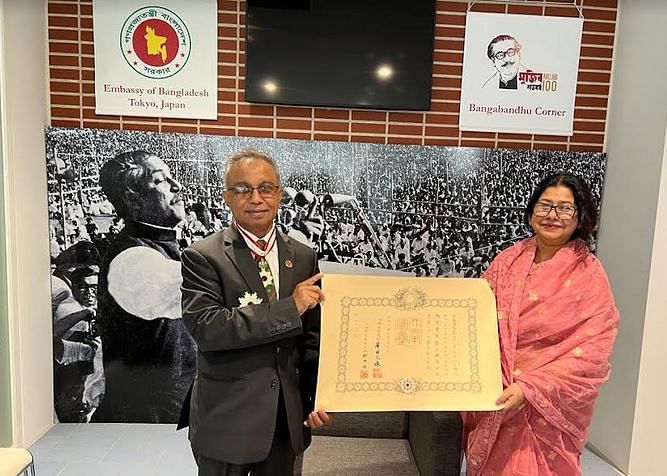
(249, 153)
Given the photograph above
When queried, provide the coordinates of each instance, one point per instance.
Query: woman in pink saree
(557, 323)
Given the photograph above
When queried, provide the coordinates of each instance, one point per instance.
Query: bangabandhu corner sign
(156, 60)
(519, 73)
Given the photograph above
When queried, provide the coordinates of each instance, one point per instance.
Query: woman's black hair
(587, 211)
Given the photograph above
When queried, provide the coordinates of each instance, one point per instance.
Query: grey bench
(386, 444)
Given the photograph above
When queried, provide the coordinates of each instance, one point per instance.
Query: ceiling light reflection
(384, 72)
(270, 87)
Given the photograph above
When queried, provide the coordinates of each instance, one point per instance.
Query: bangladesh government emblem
(155, 42)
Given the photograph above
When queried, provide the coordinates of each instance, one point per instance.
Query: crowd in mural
(428, 211)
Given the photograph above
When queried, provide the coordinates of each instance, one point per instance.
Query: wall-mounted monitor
(341, 53)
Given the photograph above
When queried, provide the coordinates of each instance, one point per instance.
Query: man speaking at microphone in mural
(251, 301)
(149, 356)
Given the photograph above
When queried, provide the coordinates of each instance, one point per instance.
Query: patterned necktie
(265, 272)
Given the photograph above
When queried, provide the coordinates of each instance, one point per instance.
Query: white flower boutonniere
(249, 298)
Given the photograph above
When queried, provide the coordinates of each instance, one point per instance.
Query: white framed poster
(158, 61)
(520, 73)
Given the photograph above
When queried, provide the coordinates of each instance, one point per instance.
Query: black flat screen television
(341, 53)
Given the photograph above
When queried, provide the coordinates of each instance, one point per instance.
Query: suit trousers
(279, 461)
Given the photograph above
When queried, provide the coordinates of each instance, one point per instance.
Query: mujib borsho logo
(155, 42)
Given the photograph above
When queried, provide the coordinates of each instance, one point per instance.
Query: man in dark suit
(251, 303)
(149, 356)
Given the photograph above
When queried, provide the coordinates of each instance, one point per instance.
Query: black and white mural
(423, 210)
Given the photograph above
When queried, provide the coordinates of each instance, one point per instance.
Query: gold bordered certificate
(394, 343)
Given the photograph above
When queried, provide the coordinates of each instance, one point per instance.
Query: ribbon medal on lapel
(249, 298)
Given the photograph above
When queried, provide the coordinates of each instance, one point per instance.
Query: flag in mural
(519, 73)
(156, 61)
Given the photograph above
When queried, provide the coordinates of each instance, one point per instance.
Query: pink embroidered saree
(557, 323)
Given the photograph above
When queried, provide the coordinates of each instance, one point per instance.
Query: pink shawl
(557, 323)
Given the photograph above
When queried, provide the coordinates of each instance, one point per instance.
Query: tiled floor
(113, 449)
(135, 449)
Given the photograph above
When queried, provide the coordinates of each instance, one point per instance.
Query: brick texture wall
(72, 89)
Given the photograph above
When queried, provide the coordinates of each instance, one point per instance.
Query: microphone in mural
(303, 217)
(300, 215)
(377, 249)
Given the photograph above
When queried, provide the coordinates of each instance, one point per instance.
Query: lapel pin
(288, 264)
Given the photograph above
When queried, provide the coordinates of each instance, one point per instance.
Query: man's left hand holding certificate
(394, 343)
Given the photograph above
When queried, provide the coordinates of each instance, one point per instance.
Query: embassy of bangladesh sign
(145, 64)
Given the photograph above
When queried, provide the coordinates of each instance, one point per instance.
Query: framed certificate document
(396, 343)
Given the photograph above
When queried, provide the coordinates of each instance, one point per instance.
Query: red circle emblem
(155, 42)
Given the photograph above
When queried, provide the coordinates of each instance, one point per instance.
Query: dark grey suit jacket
(246, 355)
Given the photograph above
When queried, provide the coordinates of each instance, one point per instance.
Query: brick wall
(72, 89)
